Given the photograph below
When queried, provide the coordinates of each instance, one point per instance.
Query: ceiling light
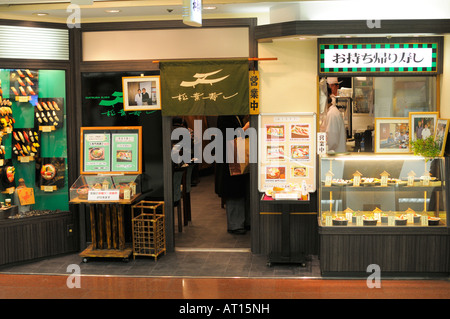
(112, 11)
(40, 14)
(209, 8)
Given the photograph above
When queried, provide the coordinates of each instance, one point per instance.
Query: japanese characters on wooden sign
(253, 92)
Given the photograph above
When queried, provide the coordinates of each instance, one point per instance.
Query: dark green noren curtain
(204, 87)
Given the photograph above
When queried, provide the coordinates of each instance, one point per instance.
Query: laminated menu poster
(287, 151)
(97, 152)
(111, 150)
(125, 152)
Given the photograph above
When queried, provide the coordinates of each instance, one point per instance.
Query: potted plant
(428, 148)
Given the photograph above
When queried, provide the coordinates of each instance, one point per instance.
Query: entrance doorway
(207, 229)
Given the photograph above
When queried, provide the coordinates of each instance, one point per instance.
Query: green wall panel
(51, 84)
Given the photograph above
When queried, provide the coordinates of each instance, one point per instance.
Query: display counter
(106, 196)
(388, 210)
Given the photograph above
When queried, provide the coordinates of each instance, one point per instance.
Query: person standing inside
(145, 97)
(335, 128)
(234, 190)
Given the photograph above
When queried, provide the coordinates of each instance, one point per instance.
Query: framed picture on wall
(440, 134)
(422, 124)
(392, 135)
(141, 93)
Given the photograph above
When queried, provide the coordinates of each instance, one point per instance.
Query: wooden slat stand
(107, 230)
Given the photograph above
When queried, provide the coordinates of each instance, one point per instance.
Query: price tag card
(410, 218)
(48, 189)
(47, 128)
(423, 220)
(103, 195)
(328, 220)
(359, 220)
(391, 220)
(286, 195)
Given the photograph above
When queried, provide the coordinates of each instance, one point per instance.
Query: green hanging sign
(211, 87)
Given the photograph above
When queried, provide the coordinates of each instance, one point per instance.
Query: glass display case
(100, 188)
(382, 191)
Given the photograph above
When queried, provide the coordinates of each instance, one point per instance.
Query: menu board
(111, 150)
(287, 151)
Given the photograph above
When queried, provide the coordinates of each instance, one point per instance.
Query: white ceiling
(130, 10)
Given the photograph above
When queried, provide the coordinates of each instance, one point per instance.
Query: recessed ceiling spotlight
(40, 14)
(112, 11)
(209, 8)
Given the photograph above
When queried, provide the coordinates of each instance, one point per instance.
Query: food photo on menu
(96, 153)
(300, 131)
(300, 152)
(299, 171)
(276, 173)
(275, 152)
(124, 155)
(275, 132)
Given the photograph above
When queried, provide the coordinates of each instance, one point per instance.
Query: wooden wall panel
(303, 233)
(36, 237)
(427, 253)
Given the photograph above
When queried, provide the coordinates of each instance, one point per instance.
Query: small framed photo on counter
(440, 134)
(422, 124)
(392, 135)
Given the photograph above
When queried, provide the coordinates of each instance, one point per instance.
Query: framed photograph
(441, 134)
(422, 124)
(141, 93)
(392, 135)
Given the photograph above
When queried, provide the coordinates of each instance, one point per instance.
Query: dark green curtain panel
(204, 87)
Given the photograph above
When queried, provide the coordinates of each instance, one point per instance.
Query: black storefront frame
(371, 243)
(32, 247)
(75, 66)
(81, 66)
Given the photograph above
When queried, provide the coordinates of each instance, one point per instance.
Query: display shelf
(382, 191)
(121, 189)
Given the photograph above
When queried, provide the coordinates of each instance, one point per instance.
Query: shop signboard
(380, 56)
(205, 87)
(287, 151)
(111, 150)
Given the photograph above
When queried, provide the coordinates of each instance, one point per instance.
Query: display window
(410, 191)
(34, 137)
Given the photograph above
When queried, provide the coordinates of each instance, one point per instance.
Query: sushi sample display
(25, 143)
(50, 173)
(23, 84)
(6, 117)
(49, 112)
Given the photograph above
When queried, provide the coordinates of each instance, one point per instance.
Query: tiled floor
(181, 264)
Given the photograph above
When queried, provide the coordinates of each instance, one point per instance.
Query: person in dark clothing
(234, 190)
(145, 97)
